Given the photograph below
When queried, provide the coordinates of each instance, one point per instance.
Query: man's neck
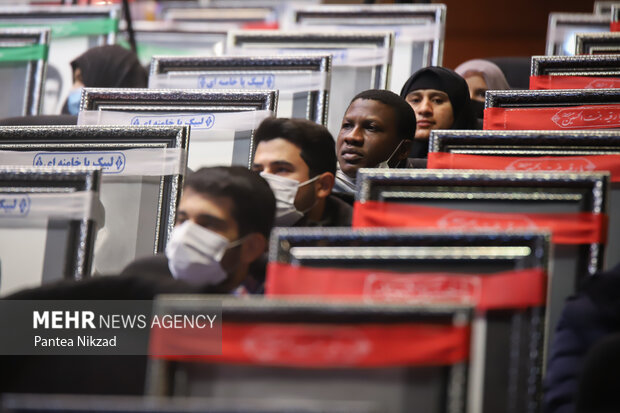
(316, 213)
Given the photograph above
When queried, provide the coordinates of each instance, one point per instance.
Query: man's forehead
(277, 150)
(194, 202)
(370, 107)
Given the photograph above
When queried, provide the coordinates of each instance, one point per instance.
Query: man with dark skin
(377, 131)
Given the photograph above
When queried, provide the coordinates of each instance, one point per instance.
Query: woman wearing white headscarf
(482, 75)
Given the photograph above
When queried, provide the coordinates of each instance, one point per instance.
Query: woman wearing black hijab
(440, 99)
(104, 66)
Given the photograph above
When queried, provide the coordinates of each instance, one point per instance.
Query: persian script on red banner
(544, 82)
(503, 290)
(586, 163)
(574, 117)
(332, 345)
(566, 228)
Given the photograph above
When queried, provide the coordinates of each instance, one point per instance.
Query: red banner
(585, 163)
(573, 117)
(260, 26)
(614, 26)
(566, 228)
(327, 345)
(504, 290)
(573, 82)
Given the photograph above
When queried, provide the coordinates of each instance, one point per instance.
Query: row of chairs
(417, 41)
(520, 260)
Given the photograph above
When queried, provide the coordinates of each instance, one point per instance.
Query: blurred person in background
(104, 66)
(481, 75)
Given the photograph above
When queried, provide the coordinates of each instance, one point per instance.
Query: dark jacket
(337, 213)
(119, 375)
(598, 384)
(586, 318)
(157, 266)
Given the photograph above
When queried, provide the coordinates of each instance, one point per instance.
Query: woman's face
(477, 87)
(433, 110)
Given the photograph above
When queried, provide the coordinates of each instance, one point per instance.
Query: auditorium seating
(443, 297)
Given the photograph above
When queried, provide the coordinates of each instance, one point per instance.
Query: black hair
(315, 142)
(254, 205)
(405, 116)
(111, 66)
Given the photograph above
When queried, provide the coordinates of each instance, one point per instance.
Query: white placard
(282, 81)
(403, 33)
(231, 121)
(68, 205)
(352, 57)
(128, 162)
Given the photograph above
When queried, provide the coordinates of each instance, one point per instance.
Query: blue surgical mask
(73, 101)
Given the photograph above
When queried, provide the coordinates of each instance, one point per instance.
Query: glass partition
(222, 123)
(360, 60)
(303, 82)
(74, 30)
(48, 219)
(418, 31)
(142, 176)
(23, 61)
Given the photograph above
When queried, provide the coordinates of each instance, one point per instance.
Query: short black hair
(317, 146)
(254, 205)
(405, 116)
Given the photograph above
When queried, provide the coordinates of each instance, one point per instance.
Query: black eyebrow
(280, 163)
(432, 94)
(204, 217)
(440, 94)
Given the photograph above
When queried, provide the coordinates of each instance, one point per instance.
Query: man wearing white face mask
(377, 132)
(223, 222)
(298, 159)
(224, 219)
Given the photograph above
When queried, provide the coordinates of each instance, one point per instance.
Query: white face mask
(285, 191)
(194, 254)
(386, 163)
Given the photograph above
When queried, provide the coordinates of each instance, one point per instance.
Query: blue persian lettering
(14, 205)
(339, 56)
(266, 81)
(205, 121)
(109, 162)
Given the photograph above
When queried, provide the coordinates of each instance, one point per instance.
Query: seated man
(377, 131)
(223, 222)
(298, 159)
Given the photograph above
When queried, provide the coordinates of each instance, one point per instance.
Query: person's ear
(324, 184)
(77, 77)
(252, 247)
